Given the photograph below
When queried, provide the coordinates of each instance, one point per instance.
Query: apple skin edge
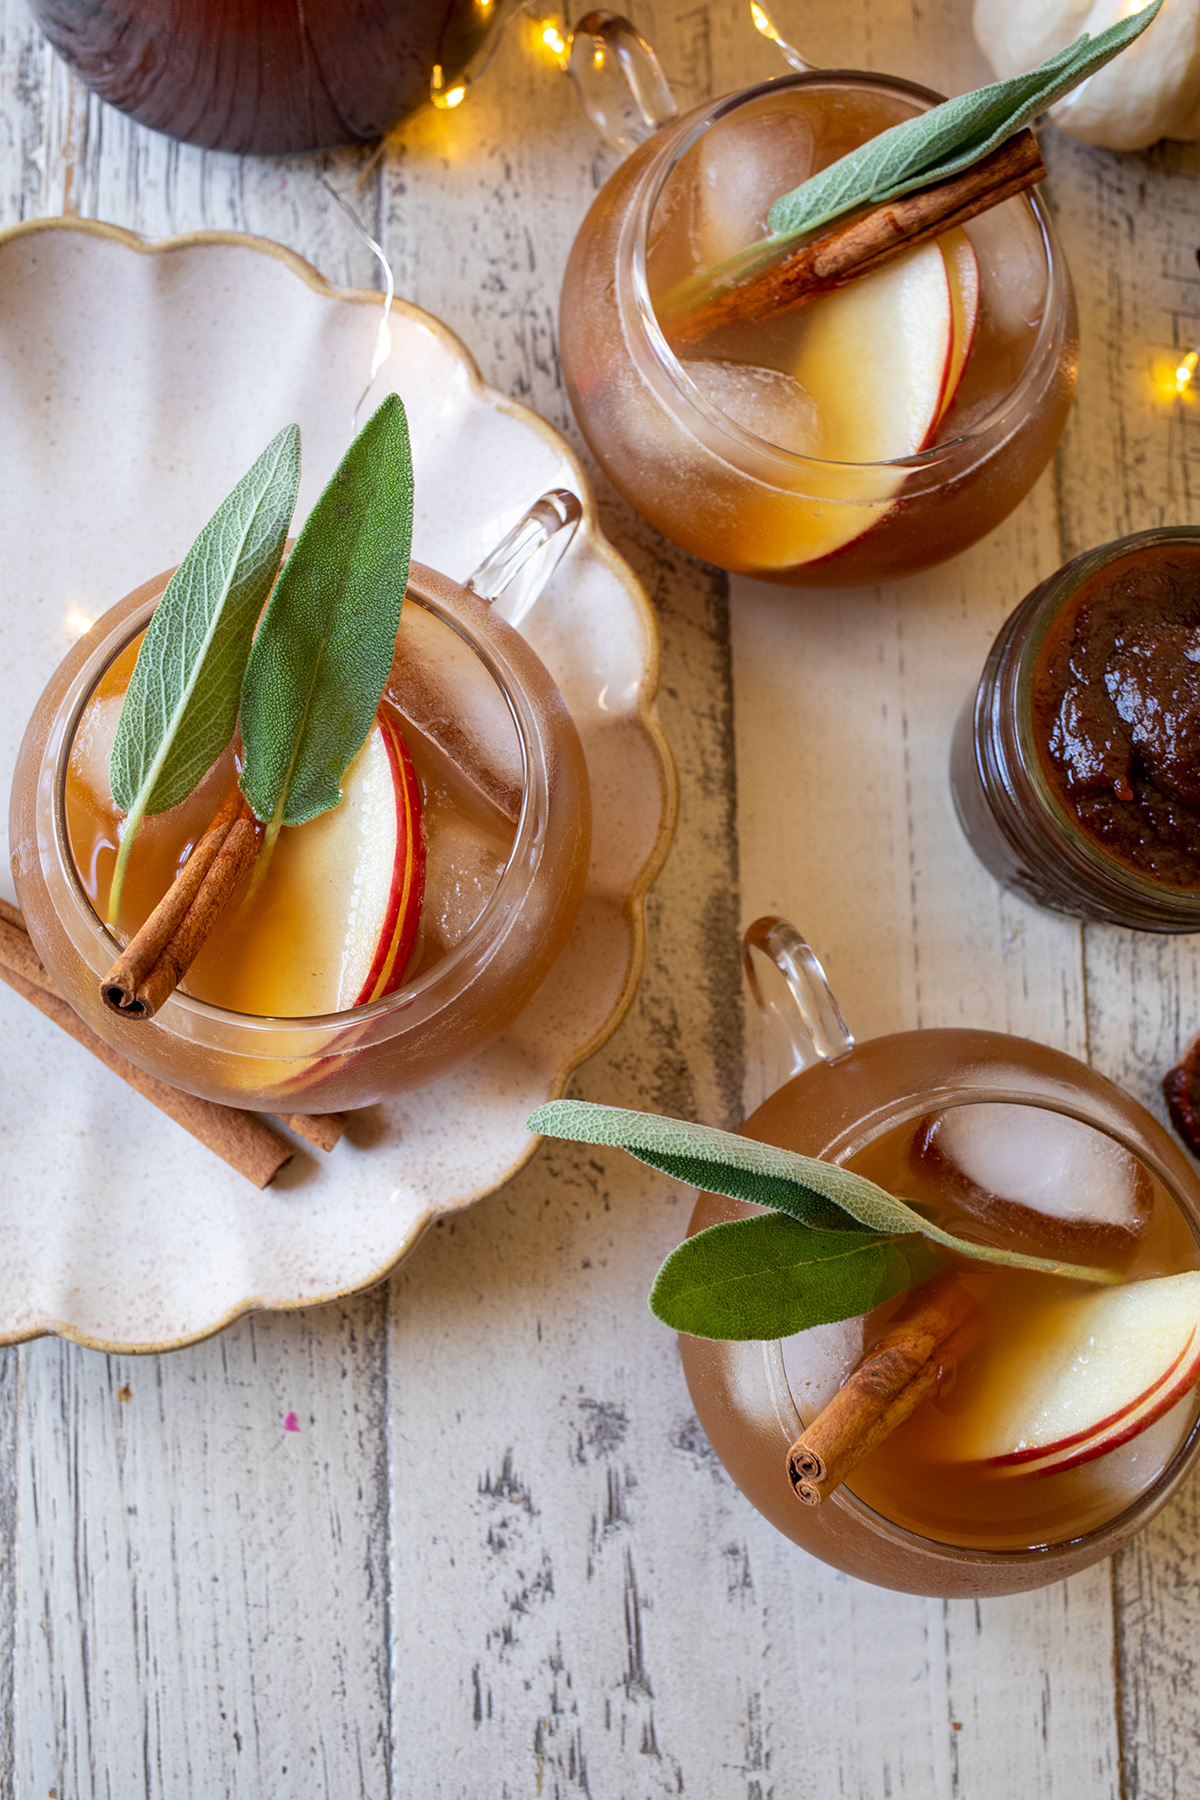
(1097, 1440)
(402, 921)
(963, 289)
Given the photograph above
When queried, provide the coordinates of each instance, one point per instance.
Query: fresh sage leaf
(803, 1204)
(768, 1277)
(324, 649)
(181, 705)
(722, 1162)
(914, 154)
(950, 137)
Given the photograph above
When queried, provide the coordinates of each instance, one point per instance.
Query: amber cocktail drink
(314, 998)
(999, 1480)
(874, 431)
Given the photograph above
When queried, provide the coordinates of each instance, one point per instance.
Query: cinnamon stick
(242, 1139)
(867, 242)
(155, 961)
(322, 1129)
(887, 1386)
(19, 958)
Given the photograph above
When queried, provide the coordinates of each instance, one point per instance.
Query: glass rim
(319, 1027)
(701, 120)
(1044, 606)
(856, 1138)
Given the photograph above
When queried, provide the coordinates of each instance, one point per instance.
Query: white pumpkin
(1150, 91)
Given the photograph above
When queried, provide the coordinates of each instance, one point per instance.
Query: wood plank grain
(204, 1605)
(100, 165)
(537, 1492)
(203, 1593)
(578, 1600)
(10, 1402)
(1131, 460)
(23, 59)
(845, 702)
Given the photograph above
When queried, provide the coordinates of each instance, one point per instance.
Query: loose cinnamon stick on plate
(865, 243)
(889, 1383)
(242, 1139)
(321, 1129)
(155, 961)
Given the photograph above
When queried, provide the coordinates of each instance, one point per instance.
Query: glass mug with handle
(1006, 1142)
(506, 835)
(884, 427)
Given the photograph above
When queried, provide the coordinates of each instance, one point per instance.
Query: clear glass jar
(1012, 817)
(405, 1040)
(843, 1098)
(726, 493)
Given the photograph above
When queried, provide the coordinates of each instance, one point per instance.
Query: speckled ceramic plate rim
(633, 905)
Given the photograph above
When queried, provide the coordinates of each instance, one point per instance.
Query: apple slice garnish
(875, 359)
(398, 933)
(334, 923)
(1081, 1376)
(962, 267)
(875, 362)
(881, 363)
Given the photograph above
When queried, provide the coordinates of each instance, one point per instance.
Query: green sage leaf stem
(181, 706)
(877, 1236)
(324, 649)
(918, 152)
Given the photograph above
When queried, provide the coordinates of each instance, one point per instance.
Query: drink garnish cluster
(302, 688)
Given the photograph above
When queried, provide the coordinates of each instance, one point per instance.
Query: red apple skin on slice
(335, 918)
(400, 927)
(1092, 1371)
(874, 361)
(939, 318)
(962, 268)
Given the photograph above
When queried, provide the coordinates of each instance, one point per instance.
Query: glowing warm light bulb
(452, 97)
(765, 23)
(554, 40)
(77, 623)
(1186, 370)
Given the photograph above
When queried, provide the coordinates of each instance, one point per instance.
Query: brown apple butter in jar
(1116, 711)
(1076, 766)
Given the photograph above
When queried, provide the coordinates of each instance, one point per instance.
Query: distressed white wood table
(498, 1558)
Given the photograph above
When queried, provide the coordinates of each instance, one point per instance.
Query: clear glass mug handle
(619, 80)
(801, 1019)
(514, 575)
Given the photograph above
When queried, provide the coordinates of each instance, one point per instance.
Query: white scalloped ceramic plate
(136, 383)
